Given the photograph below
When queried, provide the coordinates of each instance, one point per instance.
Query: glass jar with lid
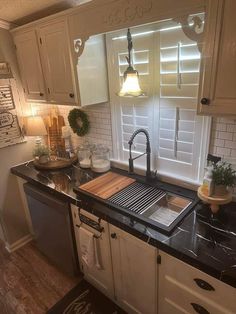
(84, 155)
(101, 159)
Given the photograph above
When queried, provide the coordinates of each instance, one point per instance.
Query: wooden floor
(29, 283)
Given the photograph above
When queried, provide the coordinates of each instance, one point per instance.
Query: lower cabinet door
(99, 271)
(135, 272)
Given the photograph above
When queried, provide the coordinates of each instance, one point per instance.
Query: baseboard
(19, 243)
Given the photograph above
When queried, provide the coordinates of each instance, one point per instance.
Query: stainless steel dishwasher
(52, 226)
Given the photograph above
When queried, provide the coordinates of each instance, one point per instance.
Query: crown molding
(6, 25)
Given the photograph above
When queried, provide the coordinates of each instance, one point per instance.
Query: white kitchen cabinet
(185, 289)
(135, 272)
(30, 65)
(100, 277)
(217, 94)
(92, 72)
(47, 71)
(56, 62)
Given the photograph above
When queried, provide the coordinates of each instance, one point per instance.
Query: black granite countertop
(60, 183)
(202, 240)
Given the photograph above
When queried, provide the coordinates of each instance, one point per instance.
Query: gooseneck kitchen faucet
(148, 152)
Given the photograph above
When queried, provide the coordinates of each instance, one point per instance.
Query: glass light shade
(35, 126)
(131, 87)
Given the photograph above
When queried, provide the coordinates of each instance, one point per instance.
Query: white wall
(11, 209)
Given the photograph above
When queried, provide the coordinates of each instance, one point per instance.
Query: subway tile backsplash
(99, 117)
(223, 138)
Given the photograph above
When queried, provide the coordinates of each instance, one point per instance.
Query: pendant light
(130, 87)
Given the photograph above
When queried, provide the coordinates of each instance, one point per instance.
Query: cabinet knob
(199, 309)
(203, 284)
(41, 94)
(113, 235)
(71, 95)
(205, 101)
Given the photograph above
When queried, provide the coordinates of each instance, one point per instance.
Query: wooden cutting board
(107, 185)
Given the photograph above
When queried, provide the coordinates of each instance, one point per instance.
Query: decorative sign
(6, 119)
(10, 131)
(6, 98)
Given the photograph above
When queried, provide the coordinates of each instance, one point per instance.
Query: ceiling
(21, 12)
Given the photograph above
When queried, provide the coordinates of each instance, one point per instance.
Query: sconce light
(130, 87)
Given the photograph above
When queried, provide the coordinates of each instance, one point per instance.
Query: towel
(86, 241)
(96, 254)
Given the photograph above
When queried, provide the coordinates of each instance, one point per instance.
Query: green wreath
(79, 122)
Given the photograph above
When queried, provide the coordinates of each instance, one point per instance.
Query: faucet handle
(154, 174)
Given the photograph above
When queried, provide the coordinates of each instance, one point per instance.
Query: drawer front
(181, 300)
(167, 306)
(198, 282)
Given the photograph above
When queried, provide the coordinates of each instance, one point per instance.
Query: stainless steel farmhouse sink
(160, 209)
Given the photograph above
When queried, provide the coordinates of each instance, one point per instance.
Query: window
(168, 63)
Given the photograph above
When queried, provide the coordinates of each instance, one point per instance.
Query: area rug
(85, 299)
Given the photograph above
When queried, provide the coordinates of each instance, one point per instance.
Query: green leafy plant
(41, 150)
(223, 174)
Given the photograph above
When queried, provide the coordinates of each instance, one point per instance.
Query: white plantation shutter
(168, 64)
(179, 126)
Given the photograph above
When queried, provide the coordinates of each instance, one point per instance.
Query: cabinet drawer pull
(71, 95)
(113, 235)
(205, 101)
(203, 284)
(41, 94)
(199, 309)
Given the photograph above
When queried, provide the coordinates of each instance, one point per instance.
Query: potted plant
(223, 177)
(41, 153)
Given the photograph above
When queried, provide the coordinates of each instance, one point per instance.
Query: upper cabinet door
(217, 95)
(92, 71)
(55, 54)
(30, 66)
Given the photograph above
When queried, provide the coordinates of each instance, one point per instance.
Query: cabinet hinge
(48, 90)
(158, 259)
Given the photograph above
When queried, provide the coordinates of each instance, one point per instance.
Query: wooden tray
(214, 200)
(56, 164)
(107, 185)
